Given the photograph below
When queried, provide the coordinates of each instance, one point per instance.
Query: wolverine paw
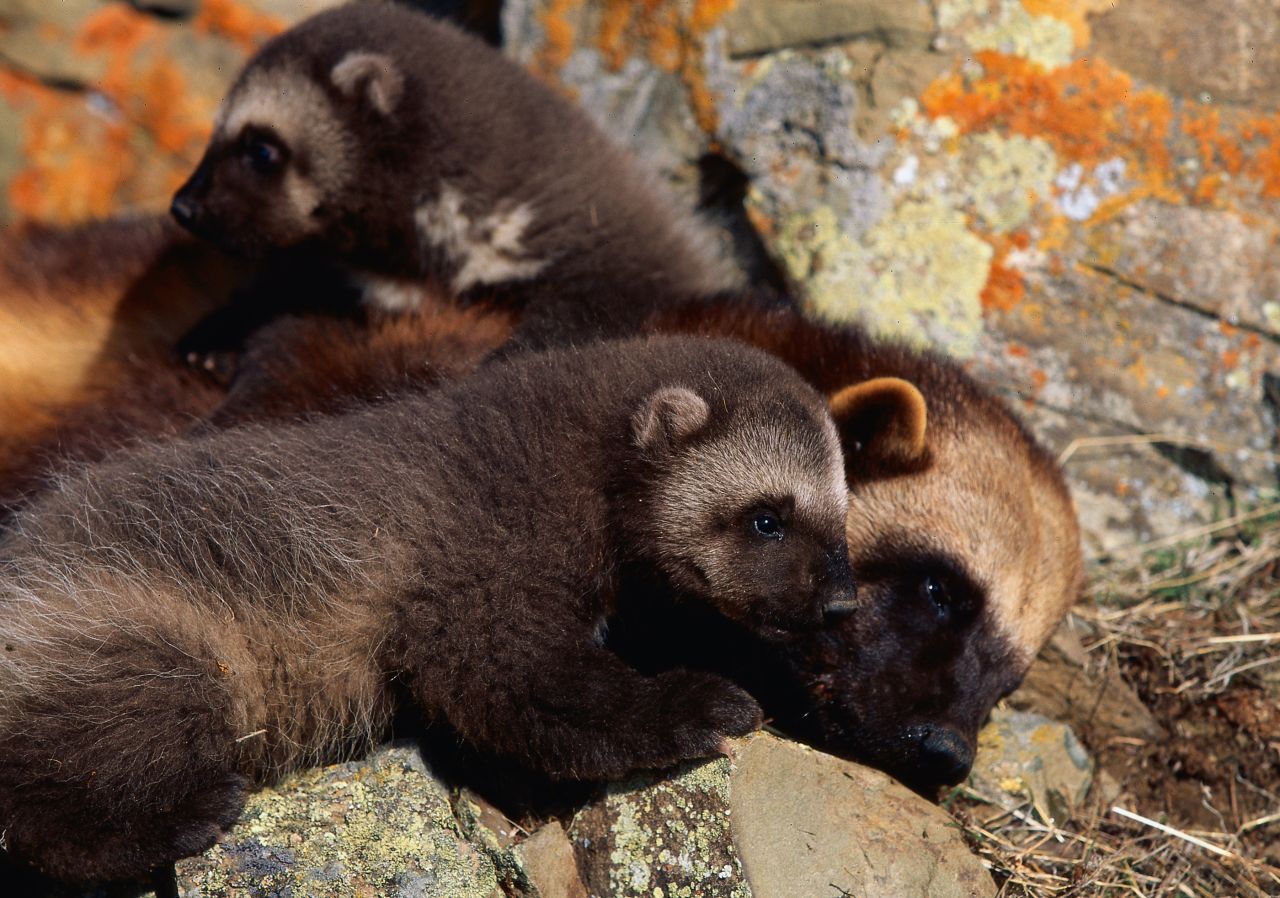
(704, 709)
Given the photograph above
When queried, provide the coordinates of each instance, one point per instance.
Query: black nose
(183, 210)
(945, 756)
(841, 606)
(843, 598)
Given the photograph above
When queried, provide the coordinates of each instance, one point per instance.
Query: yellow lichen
(1073, 13)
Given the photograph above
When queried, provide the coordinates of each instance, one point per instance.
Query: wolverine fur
(876, 687)
(353, 136)
(187, 618)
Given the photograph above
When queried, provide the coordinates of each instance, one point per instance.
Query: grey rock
(1228, 50)
(382, 826)
(760, 26)
(1064, 685)
(1099, 356)
(670, 834)
(1026, 758)
(806, 823)
(1206, 258)
(37, 40)
(790, 126)
(781, 820)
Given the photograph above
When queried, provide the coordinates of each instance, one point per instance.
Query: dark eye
(767, 525)
(935, 591)
(264, 155)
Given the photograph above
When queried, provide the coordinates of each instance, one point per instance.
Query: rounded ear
(881, 423)
(375, 74)
(669, 417)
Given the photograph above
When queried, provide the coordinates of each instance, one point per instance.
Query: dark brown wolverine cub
(188, 617)
(416, 155)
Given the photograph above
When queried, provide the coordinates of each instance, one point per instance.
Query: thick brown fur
(92, 316)
(89, 317)
(189, 617)
(903, 685)
(967, 554)
(419, 157)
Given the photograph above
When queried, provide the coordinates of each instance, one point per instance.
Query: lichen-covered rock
(780, 820)
(757, 26)
(1026, 758)
(1028, 184)
(976, 175)
(1063, 685)
(662, 837)
(379, 827)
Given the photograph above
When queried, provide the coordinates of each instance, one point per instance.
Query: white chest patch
(488, 249)
(391, 294)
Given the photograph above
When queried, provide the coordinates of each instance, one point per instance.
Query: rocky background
(1081, 198)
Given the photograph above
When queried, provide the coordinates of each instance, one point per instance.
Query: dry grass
(1194, 626)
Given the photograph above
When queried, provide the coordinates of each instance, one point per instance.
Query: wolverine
(190, 617)
(414, 155)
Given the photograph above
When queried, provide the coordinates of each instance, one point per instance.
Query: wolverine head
(310, 114)
(745, 504)
(966, 552)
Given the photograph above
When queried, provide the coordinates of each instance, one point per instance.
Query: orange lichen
(1038, 380)
(1091, 112)
(1217, 150)
(561, 33)
(84, 153)
(76, 163)
(237, 23)
(115, 29)
(1264, 164)
(1088, 111)
(1230, 359)
(668, 34)
(1005, 287)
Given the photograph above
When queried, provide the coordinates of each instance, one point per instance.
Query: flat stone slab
(781, 820)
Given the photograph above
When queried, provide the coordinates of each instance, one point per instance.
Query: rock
(1097, 356)
(1063, 686)
(806, 823)
(783, 820)
(665, 836)
(1228, 50)
(1209, 259)
(760, 26)
(382, 826)
(1028, 758)
(37, 40)
(549, 864)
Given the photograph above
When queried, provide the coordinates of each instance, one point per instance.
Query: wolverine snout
(840, 588)
(187, 203)
(183, 210)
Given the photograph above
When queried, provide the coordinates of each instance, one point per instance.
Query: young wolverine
(415, 155)
(188, 617)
